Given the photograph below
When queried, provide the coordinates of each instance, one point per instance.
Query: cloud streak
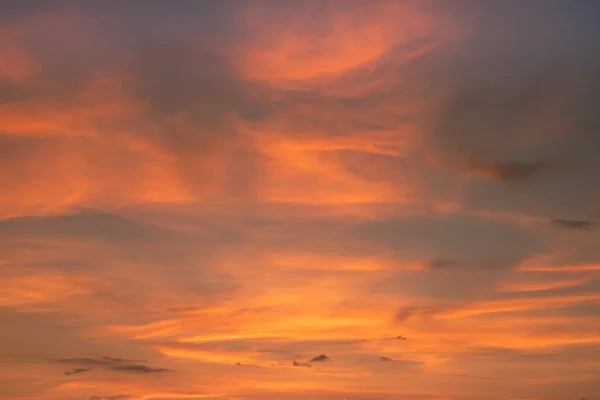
(76, 371)
(112, 364)
(573, 224)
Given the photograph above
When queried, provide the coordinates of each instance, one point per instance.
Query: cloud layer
(369, 188)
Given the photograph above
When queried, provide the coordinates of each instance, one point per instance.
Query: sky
(299, 199)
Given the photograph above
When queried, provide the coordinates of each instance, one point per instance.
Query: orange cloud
(42, 291)
(314, 41)
(523, 304)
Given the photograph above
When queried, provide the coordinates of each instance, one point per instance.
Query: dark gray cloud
(320, 358)
(76, 371)
(142, 369)
(506, 172)
(573, 224)
(113, 364)
(297, 364)
(385, 359)
(407, 313)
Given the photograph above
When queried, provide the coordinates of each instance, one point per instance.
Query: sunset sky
(300, 200)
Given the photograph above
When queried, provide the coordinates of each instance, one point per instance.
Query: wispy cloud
(573, 224)
(506, 172)
(75, 371)
(297, 364)
(200, 186)
(110, 363)
(143, 369)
